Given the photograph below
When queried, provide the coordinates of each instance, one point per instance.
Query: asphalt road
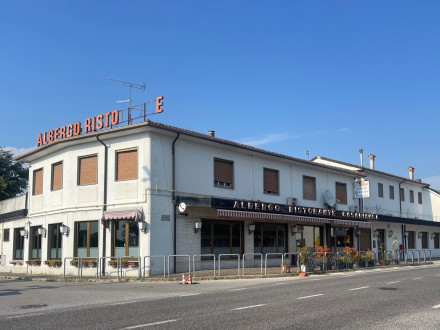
(400, 298)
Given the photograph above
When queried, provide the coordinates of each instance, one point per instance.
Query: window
(311, 236)
(86, 239)
(6, 235)
(341, 193)
(341, 237)
(88, 170)
(125, 239)
(270, 238)
(221, 237)
(309, 188)
(380, 189)
(402, 194)
(436, 241)
(391, 192)
(126, 165)
(57, 176)
(425, 240)
(18, 244)
(223, 173)
(270, 178)
(419, 195)
(411, 240)
(37, 185)
(34, 243)
(55, 239)
(411, 196)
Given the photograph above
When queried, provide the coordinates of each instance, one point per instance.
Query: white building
(409, 210)
(88, 193)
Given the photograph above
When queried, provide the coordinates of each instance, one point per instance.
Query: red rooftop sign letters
(108, 119)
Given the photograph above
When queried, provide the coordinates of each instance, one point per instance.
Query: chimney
(372, 157)
(211, 133)
(411, 172)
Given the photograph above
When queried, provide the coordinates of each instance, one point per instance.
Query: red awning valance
(117, 215)
(295, 218)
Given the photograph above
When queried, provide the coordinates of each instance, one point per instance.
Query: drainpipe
(105, 200)
(400, 198)
(173, 153)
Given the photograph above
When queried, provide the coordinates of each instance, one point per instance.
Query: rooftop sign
(106, 120)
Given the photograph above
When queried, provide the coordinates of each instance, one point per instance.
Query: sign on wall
(362, 189)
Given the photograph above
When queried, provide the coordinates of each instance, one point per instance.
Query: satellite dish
(329, 198)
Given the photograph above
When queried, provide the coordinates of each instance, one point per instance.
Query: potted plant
(352, 256)
(74, 262)
(132, 262)
(53, 262)
(113, 263)
(303, 251)
(16, 262)
(89, 262)
(370, 257)
(34, 262)
(322, 252)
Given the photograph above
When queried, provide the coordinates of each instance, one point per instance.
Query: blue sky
(288, 76)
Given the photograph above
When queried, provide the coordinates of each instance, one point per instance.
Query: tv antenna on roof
(130, 85)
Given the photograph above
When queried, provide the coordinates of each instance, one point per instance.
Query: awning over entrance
(295, 218)
(131, 214)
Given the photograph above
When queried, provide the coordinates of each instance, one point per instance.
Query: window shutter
(309, 188)
(223, 171)
(57, 176)
(88, 170)
(341, 193)
(270, 181)
(38, 182)
(127, 165)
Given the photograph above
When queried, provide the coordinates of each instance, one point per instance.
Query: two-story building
(407, 208)
(151, 189)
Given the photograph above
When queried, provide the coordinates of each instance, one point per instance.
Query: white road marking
(188, 294)
(417, 278)
(393, 282)
(276, 284)
(246, 307)
(437, 275)
(363, 287)
(150, 324)
(315, 295)
(25, 315)
(239, 289)
(436, 306)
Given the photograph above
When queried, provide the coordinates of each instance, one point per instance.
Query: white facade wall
(194, 176)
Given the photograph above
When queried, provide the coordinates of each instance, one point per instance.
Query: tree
(13, 175)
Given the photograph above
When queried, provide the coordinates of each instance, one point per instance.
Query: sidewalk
(200, 275)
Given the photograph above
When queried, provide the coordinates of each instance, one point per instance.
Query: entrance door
(365, 239)
(381, 244)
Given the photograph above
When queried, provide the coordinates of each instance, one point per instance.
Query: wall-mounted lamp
(64, 230)
(251, 228)
(294, 230)
(419, 235)
(406, 234)
(42, 232)
(390, 233)
(376, 233)
(197, 226)
(433, 235)
(142, 226)
(24, 233)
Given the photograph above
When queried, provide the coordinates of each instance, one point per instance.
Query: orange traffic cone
(189, 279)
(183, 279)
